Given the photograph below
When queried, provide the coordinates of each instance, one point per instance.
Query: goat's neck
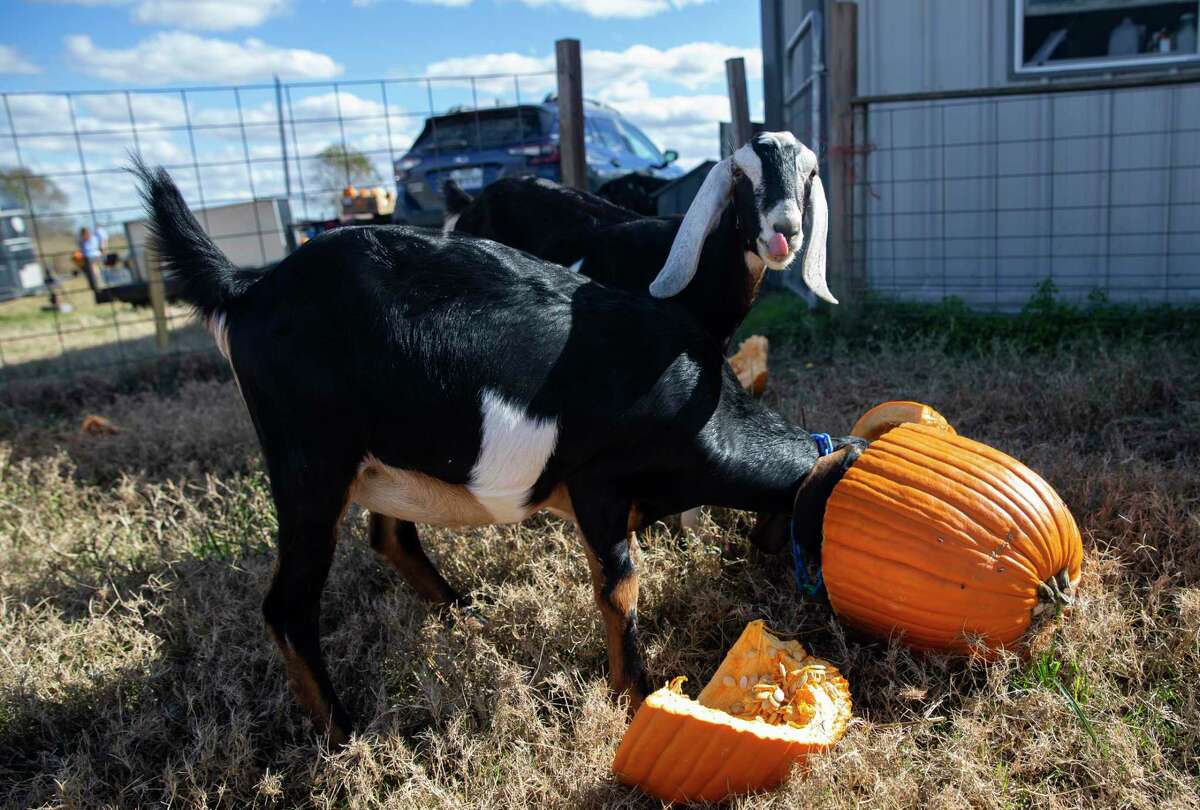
(727, 282)
(753, 458)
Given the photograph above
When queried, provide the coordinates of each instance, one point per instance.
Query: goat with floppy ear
(748, 216)
(771, 178)
(456, 381)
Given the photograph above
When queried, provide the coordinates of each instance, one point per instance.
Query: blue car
(475, 147)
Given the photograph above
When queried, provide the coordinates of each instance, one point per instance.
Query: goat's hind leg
(397, 542)
(307, 535)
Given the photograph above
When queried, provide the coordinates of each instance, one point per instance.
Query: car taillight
(536, 152)
(548, 155)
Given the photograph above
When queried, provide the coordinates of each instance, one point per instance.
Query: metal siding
(908, 46)
(984, 198)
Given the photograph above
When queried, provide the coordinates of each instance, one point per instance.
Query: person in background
(93, 245)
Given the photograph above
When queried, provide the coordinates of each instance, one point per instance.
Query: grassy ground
(134, 668)
(91, 335)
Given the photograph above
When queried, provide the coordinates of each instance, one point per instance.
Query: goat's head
(774, 185)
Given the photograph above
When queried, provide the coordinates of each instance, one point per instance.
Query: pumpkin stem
(1058, 590)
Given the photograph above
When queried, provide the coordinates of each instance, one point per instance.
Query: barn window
(1052, 36)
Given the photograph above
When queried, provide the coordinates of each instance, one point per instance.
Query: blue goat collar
(804, 583)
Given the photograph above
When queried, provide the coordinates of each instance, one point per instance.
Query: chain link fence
(265, 166)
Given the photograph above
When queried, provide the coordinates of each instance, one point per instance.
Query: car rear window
(483, 129)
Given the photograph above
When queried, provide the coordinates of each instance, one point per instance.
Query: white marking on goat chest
(513, 454)
(450, 224)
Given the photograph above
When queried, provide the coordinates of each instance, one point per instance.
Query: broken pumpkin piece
(749, 364)
(769, 705)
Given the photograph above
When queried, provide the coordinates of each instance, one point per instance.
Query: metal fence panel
(984, 197)
(252, 160)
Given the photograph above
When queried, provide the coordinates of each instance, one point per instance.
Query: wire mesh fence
(265, 166)
(985, 198)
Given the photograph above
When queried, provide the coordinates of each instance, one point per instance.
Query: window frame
(1100, 65)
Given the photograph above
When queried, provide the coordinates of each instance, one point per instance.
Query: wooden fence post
(570, 114)
(158, 301)
(739, 104)
(843, 87)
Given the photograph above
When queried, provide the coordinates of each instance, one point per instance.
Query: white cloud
(691, 66)
(199, 15)
(616, 8)
(207, 15)
(629, 9)
(175, 56)
(13, 62)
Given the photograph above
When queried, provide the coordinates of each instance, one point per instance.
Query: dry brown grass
(134, 669)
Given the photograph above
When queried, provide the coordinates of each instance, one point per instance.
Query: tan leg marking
(416, 568)
(615, 610)
(559, 503)
(308, 693)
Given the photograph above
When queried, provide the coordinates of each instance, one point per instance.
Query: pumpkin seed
(744, 682)
(728, 680)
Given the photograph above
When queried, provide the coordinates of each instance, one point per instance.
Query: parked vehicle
(474, 147)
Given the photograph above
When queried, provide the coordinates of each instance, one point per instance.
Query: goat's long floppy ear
(698, 223)
(813, 270)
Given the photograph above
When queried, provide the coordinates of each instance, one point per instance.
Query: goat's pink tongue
(778, 246)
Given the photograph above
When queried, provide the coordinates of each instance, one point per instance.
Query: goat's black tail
(208, 280)
(457, 200)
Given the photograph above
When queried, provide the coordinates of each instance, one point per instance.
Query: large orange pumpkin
(947, 540)
(739, 735)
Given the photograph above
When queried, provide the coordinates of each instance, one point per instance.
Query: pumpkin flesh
(749, 364)
(681, 750)
(887, 415)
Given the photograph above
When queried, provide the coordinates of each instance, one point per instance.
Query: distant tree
(31, 189)
(338, 166)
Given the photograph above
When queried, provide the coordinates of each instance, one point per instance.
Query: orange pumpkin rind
(947, 541)
(684, 750)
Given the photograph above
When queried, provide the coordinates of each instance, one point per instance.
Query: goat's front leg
(611, 549)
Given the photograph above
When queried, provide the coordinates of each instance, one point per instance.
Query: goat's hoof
(471, 616)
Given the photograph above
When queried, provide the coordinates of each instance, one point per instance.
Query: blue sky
(661, 62)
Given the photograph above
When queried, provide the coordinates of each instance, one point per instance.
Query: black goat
(456, 381)
(746, 217)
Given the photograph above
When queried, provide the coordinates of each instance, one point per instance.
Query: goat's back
(550, 221)
(393, 333)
